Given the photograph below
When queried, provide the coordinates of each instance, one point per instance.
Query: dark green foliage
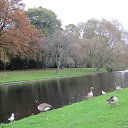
(109, 69)
(44, 19)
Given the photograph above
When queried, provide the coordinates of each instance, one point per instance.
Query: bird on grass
(113, 100)
(12, 117)
(90, 94)
(118, 87)
(44, 107)
(103, 92)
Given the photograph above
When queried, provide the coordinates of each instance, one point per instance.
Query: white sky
(75, 11)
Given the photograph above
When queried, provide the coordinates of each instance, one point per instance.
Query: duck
(113, 100)
(12, 117)
(103, 92)
(90, 94)
(44, 107)
(118, 87)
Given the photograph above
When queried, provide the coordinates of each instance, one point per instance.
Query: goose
(44, 107)
(118, 87)
(112, 100)
(103, 92)
(90, 94)
(12, 118)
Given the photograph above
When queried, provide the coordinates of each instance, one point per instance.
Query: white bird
(118, 87)
(44, 107)
(103, 92)
(90, 94)
(112, 100)
(12, 118)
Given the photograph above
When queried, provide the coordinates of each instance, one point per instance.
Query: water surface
(22, 99)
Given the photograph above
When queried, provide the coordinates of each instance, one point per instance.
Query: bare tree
(81, 28)
(60, 50)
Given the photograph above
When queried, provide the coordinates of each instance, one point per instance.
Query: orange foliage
(17, 36)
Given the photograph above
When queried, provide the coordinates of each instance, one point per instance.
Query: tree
(17, 36)
(97, 52)
(91, 28)
(60, 50)
(81, 28)
(71, 29)
(101, 39)
(44, 19)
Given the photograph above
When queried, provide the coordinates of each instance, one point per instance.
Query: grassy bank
(94, 113)
(15, 76)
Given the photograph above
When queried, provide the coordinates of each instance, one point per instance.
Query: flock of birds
(113, 100)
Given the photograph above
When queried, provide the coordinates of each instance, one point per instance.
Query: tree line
(36, 39)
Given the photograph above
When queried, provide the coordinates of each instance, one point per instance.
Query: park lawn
(28, 75)
(94, 113)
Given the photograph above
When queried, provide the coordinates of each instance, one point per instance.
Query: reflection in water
(21, 99)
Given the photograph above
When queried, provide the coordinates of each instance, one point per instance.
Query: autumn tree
(17, 36)
(44, 20)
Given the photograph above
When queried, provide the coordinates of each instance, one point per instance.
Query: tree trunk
(97, 68)
(57, 65)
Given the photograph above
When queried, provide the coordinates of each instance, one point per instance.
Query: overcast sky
(75, 11)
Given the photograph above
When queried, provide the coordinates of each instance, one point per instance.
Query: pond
(22, 99)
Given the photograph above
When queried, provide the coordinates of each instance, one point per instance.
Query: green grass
(94, 113)
(16, 76)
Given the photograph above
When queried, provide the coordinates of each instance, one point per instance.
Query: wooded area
(35, 39)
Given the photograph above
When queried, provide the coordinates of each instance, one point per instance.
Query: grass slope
(94, 113)
(15, 76)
